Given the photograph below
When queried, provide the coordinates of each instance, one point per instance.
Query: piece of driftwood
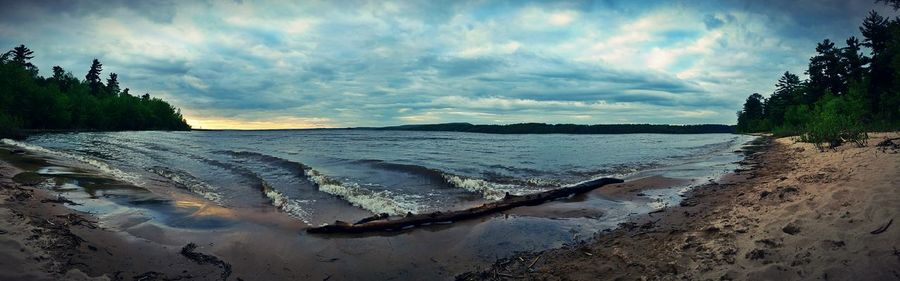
(382, 222)
(882, 228)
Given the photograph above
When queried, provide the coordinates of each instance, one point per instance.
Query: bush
(834, 122)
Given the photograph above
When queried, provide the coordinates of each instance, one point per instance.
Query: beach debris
(882, 228)
(791, 229)
(373, 218)
(510, 201)
(189, 251)
(534, 261)
(60, 200)
(889, 143)
(757, 254)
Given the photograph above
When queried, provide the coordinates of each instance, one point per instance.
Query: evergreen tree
(58, 73)
(63, 102)
(112, 84)
(21, 56)
(93, 77)
(853, 60)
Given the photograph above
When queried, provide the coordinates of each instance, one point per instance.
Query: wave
(431, 174)
(269, 159)
(96, 164)
(290, 206)
(490, 190)
(374, 201)
(370, 200)
(189, 182)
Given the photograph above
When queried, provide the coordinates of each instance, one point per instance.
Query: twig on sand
(534, 261)
(509, 275)
(883, 228)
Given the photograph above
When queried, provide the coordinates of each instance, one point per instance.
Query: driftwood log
(382, 222)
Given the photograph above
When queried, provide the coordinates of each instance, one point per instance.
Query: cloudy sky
(281, 64)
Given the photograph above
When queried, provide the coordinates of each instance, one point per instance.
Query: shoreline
(796, 214)
(43, 239)
(109, 253)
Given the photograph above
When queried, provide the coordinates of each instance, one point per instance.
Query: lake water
(318, 176)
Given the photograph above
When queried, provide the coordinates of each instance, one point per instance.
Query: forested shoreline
(64, 102)
(541, 128)
(846, 94)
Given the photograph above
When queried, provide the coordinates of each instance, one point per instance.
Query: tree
(893, 3)
(787, 93)
(826, 74)
(58, 73)
(853, 60)
(112, 84)
(62, 101)
(874, 30)
(751, 118)
(21, 56)
(93, 77)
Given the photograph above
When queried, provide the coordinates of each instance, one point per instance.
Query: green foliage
(835, 121)
(28, 101)
(847, 93)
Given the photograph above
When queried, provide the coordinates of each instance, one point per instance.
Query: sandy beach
(793, 213)
(798, 214)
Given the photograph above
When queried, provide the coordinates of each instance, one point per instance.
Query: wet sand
(799, 214)
(130, 233)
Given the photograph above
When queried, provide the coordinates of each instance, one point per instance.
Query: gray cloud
(369, 63)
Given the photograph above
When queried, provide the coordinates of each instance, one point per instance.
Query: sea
(247, 197)
(319, 176)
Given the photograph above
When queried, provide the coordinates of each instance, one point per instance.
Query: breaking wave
(189, 182)
(96, 164)
(490, 190)
(374, 201)
(290, 206)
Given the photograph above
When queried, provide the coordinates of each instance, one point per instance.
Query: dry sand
(800, 214)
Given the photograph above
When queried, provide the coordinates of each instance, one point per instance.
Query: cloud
(262, 63)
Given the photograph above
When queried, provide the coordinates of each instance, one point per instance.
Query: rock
(791, 229)
(757, 254)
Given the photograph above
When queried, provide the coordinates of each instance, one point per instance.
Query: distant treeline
(541, 128)
(846, 93)
(64, 102)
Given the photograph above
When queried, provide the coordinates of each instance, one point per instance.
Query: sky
(308, 64)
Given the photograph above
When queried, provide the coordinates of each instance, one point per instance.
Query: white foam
(99, 165)
(375, 201)
(190, 182)
(489, 190)
(286, 204)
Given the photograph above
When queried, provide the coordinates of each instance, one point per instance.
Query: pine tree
(93, 77)
(21, 56)
(112, 84)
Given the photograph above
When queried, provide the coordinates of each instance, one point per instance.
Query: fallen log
(382, 222)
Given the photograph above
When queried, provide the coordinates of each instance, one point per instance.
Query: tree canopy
(29, 101)
(846, 92)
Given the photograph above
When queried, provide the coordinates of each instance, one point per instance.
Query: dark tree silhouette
(21, 56)
(93, 77)
(826, 74)
(751, 117)
(112, 84)
(787, 92)
(875, 31)
(893, 3)
(58, 73)
(853, 60)
(28, 101)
